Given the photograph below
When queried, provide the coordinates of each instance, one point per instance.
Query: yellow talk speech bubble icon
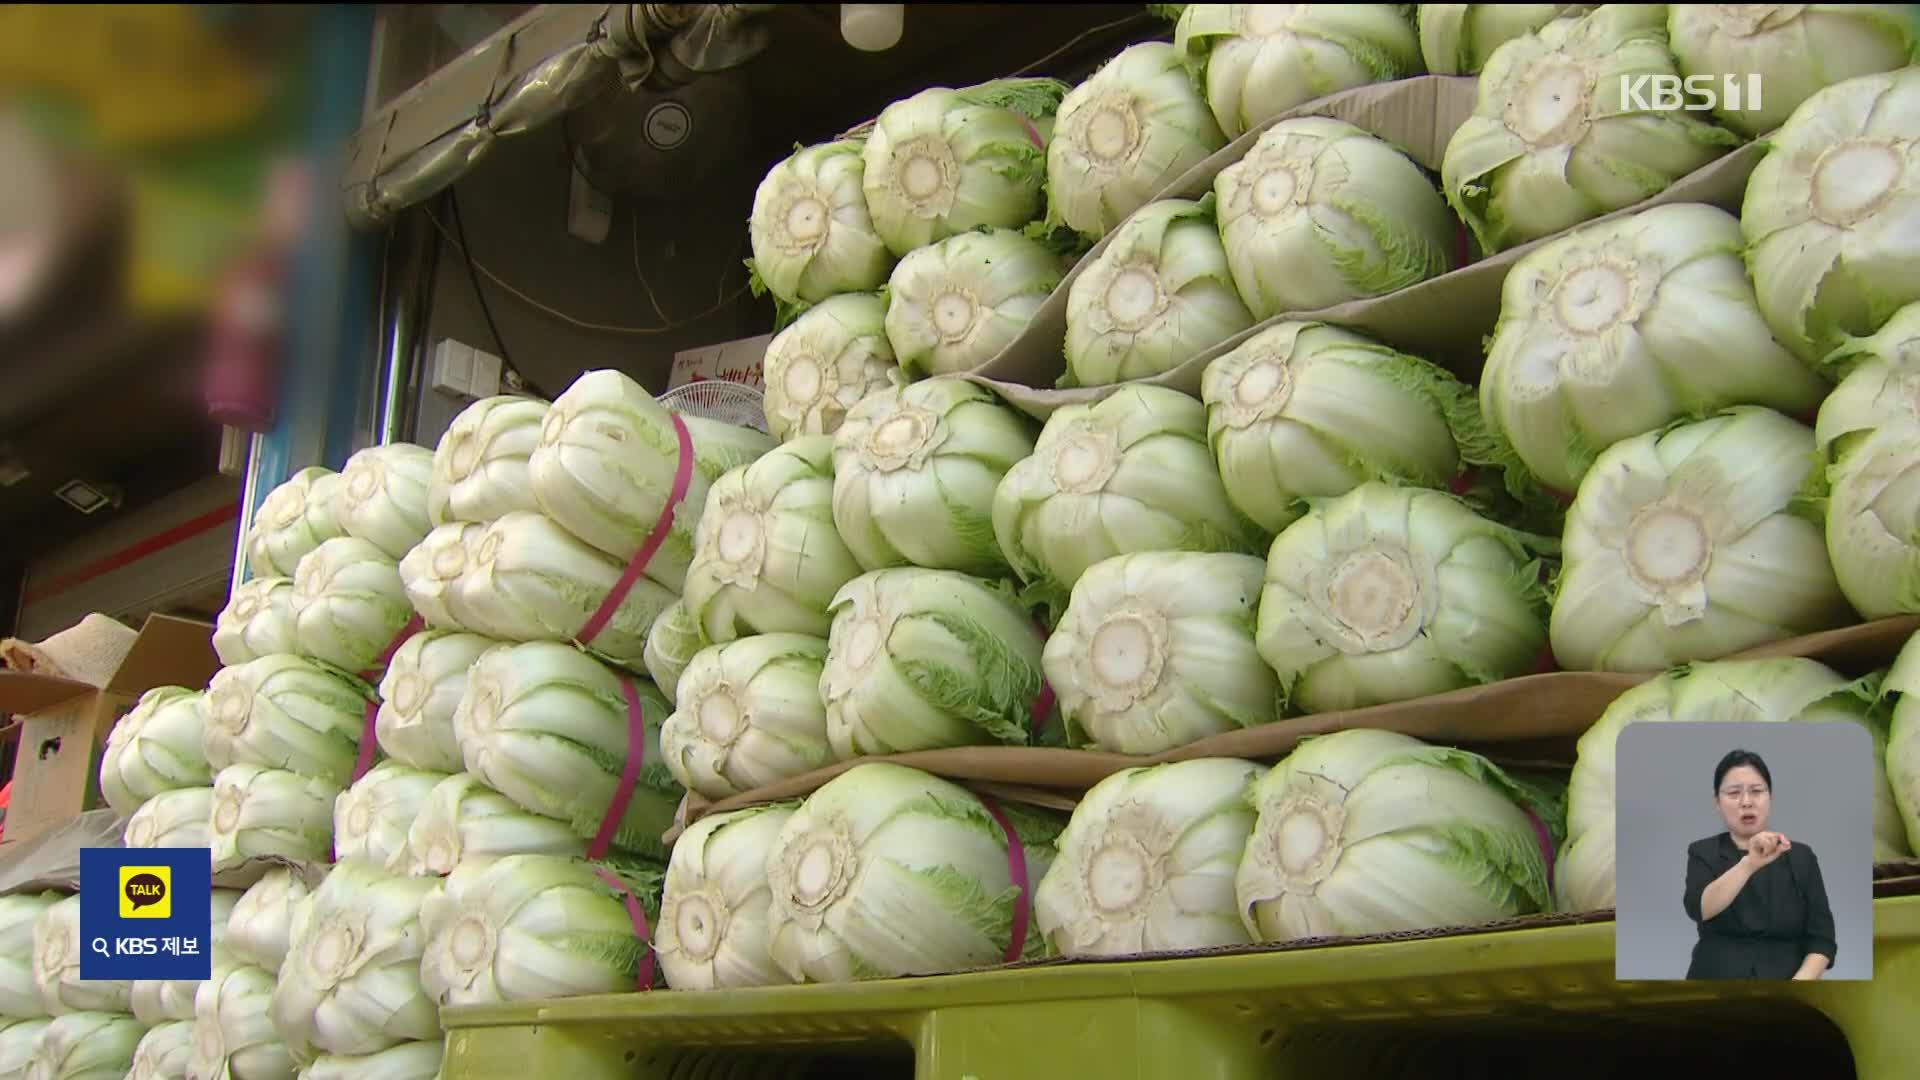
(146, 892)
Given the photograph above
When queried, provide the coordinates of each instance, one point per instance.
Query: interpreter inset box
(1744, 850)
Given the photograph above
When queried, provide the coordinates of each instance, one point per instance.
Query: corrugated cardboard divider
(1418, 115)
(56, 771)
(1533, 720)
(1446, 319)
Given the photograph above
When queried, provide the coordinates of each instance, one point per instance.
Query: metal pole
(407, 303)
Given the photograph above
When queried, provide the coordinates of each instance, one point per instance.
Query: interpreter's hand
(1765, 847)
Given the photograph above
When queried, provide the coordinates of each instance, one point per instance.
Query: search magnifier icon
(100, 946)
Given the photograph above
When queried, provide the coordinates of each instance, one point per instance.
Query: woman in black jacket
(1756, 895)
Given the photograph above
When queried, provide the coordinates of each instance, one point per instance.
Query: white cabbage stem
(1391, 593)
(1374, 832)
(887, 871)
(1124, 136)
(157, 1001)
(1828, 214)
(295, 518)
(1873, 523)
(17, 1040)
(924, 659)
(1319, 212)
(956, 304)
(767, 558)
(269, 813)
(262, 918)
(1553, 140)
(524, 578)
(164, 1053)
(480, 466)
(233, 1034)
(1257, 61)
(945, 162)
(284, 712)
(1689, 544)
(812, 236)
(914, 473)
(833, 355)
(1304, 410)
(351, 981)
(1782, 689)
(671, 643)
(1129, 473)
(257, 621)
(156, 747)
(1156, 651)
(547, 726)
(383, 496)
(1881, 387)
(1902, 688)
(713, 932)
(1160, 292)
(605, 467)
(418, 695)
(92, 1045)
(463, 822)
(431, 571)
(171, 819)
(1457, 39)
(1782, 54)
(408, 1061)
(530, 927)
(371, 818)
(1622, 327)
(348, 603)
(1147, 862)
(748, 714)
(56, 967)
(19, 995)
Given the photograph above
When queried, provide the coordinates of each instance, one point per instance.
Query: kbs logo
(1701, 93)
(146, 892)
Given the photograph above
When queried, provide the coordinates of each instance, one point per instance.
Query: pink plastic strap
(629, 772)
(1043, 703)
(1546, 842)
(640, 928)
(1017, 869)
(682, 479)
(1033, 133)
(1546, 663)
(368, 739)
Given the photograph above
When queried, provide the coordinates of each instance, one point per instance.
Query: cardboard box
(64, 723)
(733, 361)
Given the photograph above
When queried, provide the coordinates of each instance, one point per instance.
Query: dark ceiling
(810, 85)
(89, 392)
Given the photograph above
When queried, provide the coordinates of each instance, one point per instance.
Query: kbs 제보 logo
(146, 913)
(146, 892)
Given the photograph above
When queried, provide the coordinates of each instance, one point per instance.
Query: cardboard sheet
(1446, 319)
(1533, 720)
(1418, 115)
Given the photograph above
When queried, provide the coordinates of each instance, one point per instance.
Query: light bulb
(872, 27)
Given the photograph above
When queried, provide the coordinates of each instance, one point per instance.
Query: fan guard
(723, 400)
